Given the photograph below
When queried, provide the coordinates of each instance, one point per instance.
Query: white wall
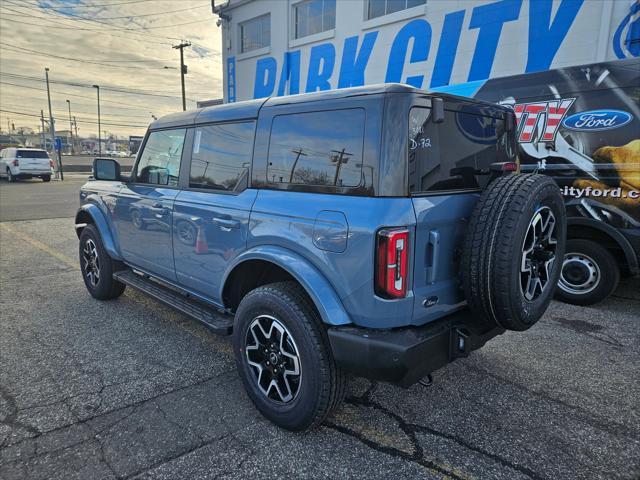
(494, 38)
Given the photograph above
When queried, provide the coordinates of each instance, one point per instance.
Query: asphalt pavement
(131, 389)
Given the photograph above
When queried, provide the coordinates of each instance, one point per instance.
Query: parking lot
(131, 389)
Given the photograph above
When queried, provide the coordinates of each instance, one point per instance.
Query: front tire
(283, 357)
(98, 267)
(589, 273)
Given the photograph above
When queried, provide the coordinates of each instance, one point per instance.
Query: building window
(317, 148)
(313, 16)
(379, 8)
(255, 33)
(221, 156)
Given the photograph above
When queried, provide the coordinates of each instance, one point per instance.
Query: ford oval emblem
(597, 120)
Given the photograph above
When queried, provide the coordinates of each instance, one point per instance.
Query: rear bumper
(29, 174)
(405, 355)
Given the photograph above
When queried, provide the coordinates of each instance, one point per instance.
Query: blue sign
(597, 120)
(58, 144)
(231, 79)
(626, 40)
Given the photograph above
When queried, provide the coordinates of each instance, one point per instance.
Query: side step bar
(217, 322)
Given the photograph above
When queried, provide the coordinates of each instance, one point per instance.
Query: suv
(18, 163)
(380, 231)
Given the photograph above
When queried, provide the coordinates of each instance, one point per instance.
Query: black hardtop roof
(250, 108)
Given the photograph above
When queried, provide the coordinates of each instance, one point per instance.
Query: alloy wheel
(273, 357)
(91, 262)
(538, 254)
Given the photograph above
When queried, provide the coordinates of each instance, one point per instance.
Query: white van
(18, 163)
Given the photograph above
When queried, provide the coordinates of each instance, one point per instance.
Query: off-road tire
(322, 382)
(492, 254)
(107, 288)
(606, 273)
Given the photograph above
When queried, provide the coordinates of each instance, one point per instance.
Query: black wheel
(46, 178)
(187, 232)
(98, 267)
(513, 247)
(10, 176)
(589, 273)
(283, 357)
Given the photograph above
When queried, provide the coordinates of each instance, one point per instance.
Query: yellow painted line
(40, 246)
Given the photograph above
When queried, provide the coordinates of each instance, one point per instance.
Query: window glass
(255, 33)
(160, 160)
(317, 148)
(222, 156)
(313, 16)
(457, 153)
(31, 154)
(378, 8)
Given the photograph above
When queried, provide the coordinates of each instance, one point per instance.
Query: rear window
(317, 148)
(31, 154)
(457, 153)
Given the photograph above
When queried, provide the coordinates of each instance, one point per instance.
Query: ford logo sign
(596, 120)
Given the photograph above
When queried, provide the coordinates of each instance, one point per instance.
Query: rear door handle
(433, 254)
(226, 223)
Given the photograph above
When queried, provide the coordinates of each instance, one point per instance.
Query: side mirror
(106, 169)
(437, 110)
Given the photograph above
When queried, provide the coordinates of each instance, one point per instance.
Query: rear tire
(46, 178)
(10, 177)
(98, 267)
(512, 253)
(589, 273)
(284, 311)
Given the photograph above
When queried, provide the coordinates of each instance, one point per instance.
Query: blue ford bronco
(380, 231)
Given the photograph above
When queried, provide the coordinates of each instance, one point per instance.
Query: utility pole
(70, 127)
(183, 71)
(298, 153)
(97, 87)
(52, 126)
(75, 124)
(44, 140)
(339, 160)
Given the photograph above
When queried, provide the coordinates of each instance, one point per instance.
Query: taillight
(392, 247)
(16, 163)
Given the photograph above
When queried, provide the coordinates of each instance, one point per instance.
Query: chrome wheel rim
(580, 274)
(272, 355)
(538, 254)
(91, 262)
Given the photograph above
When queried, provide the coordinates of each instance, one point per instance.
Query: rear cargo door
(33, 160)
(448, 167)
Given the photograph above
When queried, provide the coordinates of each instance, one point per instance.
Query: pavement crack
(11, 419)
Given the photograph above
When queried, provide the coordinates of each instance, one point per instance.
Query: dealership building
(283, 47)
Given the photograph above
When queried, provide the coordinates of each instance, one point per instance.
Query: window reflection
(160, 160)
(318, 148)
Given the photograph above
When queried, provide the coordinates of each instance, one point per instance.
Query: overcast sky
(118, 44)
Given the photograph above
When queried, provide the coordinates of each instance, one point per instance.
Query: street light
(97, 87)
(70, 126)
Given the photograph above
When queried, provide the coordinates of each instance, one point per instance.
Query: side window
(455, 154)
(222, 156)
(160, 160)
(317, 148)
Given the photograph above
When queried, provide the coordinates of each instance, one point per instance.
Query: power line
(73, 7)
(53, 7)
(12, 112)
(32, 7)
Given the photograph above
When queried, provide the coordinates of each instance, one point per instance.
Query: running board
(217, 322)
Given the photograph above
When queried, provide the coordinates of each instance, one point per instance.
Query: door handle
(226, 223)
(433, 254)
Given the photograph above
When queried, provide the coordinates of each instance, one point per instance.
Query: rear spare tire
(513, 250)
